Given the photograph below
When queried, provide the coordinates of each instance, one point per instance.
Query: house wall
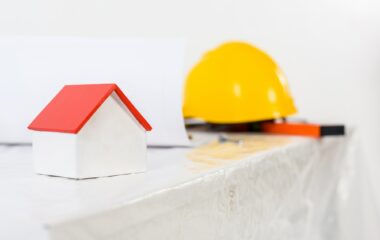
(112, 142)
(55, 153)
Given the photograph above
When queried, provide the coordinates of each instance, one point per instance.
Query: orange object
(302, 129)
(74, 105)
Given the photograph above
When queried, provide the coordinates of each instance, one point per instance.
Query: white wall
(329, 49)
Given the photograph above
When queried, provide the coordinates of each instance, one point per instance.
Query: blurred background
(328, 49)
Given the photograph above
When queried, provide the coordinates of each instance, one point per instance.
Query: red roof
(74, 105)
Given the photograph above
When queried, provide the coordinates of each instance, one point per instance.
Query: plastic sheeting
(265, 187)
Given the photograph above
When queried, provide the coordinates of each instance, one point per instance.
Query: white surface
(112, 142)
(329, 50)
(149, 72)
(282, 188)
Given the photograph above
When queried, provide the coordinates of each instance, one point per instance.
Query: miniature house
(89, 131)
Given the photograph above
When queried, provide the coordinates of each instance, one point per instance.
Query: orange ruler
(302, 129)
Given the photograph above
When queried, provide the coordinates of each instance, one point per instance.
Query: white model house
(89, 131)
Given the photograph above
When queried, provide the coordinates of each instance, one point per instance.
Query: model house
(88, 131)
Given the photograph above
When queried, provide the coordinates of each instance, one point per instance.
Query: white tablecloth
(266, 187)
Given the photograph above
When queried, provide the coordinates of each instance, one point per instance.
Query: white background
(329, 49)
(148, 71)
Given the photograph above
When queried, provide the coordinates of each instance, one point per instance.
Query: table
(262, 187)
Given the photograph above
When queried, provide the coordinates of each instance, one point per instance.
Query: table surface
(31, 204)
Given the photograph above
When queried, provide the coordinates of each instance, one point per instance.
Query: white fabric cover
(282, 188)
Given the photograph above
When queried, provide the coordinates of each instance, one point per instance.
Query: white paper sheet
(149, 71)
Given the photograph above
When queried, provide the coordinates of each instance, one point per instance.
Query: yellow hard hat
(236, 83)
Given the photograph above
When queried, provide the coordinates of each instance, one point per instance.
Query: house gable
(111, 131)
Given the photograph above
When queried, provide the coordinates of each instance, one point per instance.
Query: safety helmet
(236, 83)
